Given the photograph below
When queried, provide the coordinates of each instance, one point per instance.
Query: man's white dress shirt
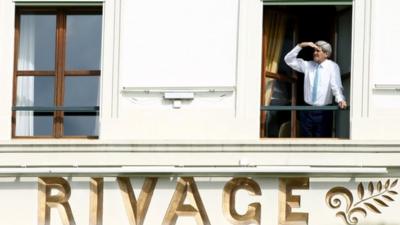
(329, 82)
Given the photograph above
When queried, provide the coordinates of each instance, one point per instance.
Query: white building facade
(160, 123)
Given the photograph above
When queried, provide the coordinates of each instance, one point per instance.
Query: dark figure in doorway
(321, 82)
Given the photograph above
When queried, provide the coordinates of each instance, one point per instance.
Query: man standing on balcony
(321, 82)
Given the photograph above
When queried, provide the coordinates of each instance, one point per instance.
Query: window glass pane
(83, 42)
(29, 123)
(35, 91)
(81, 124)
(37, 42)
(81, 91)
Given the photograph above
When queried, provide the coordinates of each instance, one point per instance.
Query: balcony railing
(300, 108)
(293, 109)
(73, 109)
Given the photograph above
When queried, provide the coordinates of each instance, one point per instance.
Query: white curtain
(26, 84)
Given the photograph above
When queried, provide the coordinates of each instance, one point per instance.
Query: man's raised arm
(294, 62)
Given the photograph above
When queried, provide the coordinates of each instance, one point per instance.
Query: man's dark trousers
(316, 123)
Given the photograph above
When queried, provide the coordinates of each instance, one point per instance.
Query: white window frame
(58, 3)
(250, 44)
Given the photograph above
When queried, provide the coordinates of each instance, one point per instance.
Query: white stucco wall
(211, 45)
(155, 45)
(375, 97)
(207, 46)
(6, 65)
(20, 198)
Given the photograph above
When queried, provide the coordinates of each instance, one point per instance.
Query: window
(282, 88)
(57, 72)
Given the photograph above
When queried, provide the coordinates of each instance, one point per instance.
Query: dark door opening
(283, 28)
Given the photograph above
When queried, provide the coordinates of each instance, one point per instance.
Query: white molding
(367, 90)
(361, 66)
(395, 87)
(116, 59)
(306, 3)
(198, 171)
(164, 90)
(233, 153)
(59, 3)
(7, 20)
(109, 93)
(249, 62)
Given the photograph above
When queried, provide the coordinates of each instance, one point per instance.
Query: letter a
(186, 187)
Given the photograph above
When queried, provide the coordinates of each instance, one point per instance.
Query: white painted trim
(248, 79)
(177, 89)
(109, 91)
(115, 99)
(58, 3)
(395, 87)
(306, 3)
(271, 152)
(44, 1)
(361, 66)
(202, 171)
(7, 20)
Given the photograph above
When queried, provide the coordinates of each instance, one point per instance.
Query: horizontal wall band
(196, 171)
(309, 2)
(178, 89)
(395, 87)
(58, 3)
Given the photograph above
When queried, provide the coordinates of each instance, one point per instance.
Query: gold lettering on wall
(96, 201)
(136, 210)
(253, 214)
(186, 187)
(60, 200)
(287, 201)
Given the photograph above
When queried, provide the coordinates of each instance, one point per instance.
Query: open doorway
(282, 88)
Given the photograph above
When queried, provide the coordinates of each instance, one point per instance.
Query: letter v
(136, 210)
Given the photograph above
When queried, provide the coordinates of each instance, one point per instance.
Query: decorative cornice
(271, 145)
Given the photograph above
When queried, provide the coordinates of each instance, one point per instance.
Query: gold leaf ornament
(394, 183)
(379, 186)
(371, 188)
(360, 191)
(387, 184)
(378, 197)
(380, 202)
(371, 207)
(388, 198)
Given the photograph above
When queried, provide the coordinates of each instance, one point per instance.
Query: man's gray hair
(325, 46)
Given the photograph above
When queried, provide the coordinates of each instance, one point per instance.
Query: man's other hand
(343, 104)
